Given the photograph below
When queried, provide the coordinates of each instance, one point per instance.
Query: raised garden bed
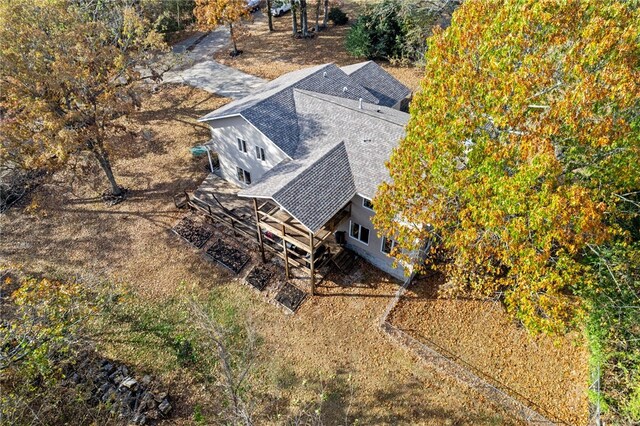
(291, 297)
(259, 277)
(229, 257)
(193, 232)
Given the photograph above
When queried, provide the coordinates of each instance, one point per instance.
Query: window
(367, 204)
(359, 232)
(242, 145)
(387, 245)
(259, 153)
(243, 176)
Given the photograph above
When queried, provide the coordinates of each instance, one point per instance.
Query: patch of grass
(160, 337)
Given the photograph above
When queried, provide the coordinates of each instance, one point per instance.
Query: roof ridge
(322, 97)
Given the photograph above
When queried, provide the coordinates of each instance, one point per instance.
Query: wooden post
(255, 207)
(311, 263)
(286, 255)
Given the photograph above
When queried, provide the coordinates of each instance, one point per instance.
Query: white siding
(371, 251)
(225, 132)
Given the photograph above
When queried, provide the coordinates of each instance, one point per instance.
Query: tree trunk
(105, 164)
(269, 15)
(303, 18)
(325, 19)
(317, 16)
(294, 26)
(233, 40)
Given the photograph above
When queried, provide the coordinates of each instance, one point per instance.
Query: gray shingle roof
(342, 152)
(380, 83)
(272, 108)
(370, 134)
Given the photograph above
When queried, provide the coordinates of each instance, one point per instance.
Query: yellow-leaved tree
(522, 150)
(211, 13)
(68, 71)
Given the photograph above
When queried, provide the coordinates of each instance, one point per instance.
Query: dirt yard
(65, 229)
(539, 371)
(270, 54)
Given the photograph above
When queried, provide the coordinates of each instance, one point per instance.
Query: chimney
(324, 74)
(360, 103)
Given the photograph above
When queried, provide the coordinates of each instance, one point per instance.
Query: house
(309, 149)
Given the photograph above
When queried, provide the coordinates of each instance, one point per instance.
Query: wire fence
(489, 387)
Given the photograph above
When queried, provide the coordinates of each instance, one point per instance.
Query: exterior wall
(224, 133)
(372, 252)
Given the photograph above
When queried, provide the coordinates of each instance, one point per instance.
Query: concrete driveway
(198, 69)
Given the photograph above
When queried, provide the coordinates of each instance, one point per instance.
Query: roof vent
(344, 89)
(324, 74)
(360, 103)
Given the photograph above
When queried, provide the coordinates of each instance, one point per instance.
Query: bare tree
(234, 366)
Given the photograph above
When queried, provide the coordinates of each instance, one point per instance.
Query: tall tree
(521, 150)
(304, 24)
(294, 20)
(211, 13)
(269, 16)
(68, 70)
(325, 17)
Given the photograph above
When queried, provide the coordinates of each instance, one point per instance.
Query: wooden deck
(219, 200)
(280, 233)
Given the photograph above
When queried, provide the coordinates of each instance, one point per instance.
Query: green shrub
(378, 33)
(614, 333)
(166, 23)
(337, 16)
(395, 30)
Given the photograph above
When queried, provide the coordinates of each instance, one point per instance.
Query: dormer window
(242, 145)
(367, 204)
(260, 153)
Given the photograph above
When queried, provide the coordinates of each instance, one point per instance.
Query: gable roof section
(272, 108)
(310, 191)
(377, 81)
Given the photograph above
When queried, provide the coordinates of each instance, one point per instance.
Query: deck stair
(345, 260)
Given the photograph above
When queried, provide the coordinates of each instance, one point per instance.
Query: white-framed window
(243, 175)
(387, 245)
(242, 145)
(359, 232)
(367, 204)
(260, 153)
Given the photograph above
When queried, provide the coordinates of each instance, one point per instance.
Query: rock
(109, 395)
(104, 388)
(153, 414)
(146, 381)
(129, 383)
(139, 419)
(160, 396)
(108, 368)
(75, 378)
(116, 377)
(164, 407)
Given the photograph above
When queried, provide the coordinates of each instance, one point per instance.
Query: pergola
(287, 238)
